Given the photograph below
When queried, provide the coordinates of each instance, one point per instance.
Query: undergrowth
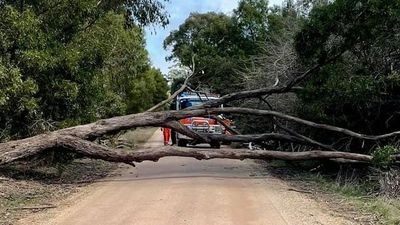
(358, 185)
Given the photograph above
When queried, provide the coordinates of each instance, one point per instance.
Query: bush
(382, 156)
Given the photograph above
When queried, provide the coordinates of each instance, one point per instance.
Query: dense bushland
(65, 63)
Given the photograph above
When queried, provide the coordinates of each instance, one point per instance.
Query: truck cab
(198, 124)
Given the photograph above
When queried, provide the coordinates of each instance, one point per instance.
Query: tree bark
(89, 149)
(14, 150)
(154, 154)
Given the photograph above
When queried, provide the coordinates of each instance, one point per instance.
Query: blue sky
(179, 10)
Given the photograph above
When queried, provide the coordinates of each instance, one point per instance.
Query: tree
(213, 41)
(223, 45)
(360, 89)
(336, 47)
(15, 99)
(356, 42)
(70, 62)
(251, 16)
(147, 90)
(75, 139)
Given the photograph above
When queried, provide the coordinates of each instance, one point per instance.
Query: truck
(198, 124)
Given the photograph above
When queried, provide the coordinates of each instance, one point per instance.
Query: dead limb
(227, 127)
(154, 154)
(25, 148)
(14, 150)
(306, 139)
(283, 116)
(178, 127)
(291, 132)
(289, 87)
(258, 138)
(35, 207)
(176, 93)
(170, 98)
(96, 151)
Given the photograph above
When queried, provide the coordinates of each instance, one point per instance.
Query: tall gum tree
(65, 55)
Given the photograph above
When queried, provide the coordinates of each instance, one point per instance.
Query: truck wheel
(182, 143)
(215, 144)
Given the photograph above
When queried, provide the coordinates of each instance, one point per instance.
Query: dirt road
(179, 191)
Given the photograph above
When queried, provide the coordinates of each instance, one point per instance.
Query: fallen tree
(79, 138)
(92, 150)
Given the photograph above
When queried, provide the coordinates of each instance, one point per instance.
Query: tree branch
(291, 132)
(227, 127)
(176, 93)
(258, 112)
(266, 91)
(157, 119)
(92, 150)
(178, 127)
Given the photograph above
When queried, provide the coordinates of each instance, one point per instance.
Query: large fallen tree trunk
(19, 149)
(154, 154)
(45, 142)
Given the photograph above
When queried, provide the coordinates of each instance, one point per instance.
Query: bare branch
(299, 120)
(227, 127)
(154, 154)
(306, 139)
(96, 151)
(265, 91)
(180, 90)
(291, 132)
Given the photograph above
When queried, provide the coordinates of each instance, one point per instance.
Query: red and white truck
(198, 124)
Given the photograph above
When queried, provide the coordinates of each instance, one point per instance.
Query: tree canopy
(354, 42)
(220, 44)
(69, 62)
(359, 89)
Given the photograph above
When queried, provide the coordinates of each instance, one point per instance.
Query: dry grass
(24, 186)
(134, 138)
(358, 200)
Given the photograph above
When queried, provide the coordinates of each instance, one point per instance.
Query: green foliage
(211, 38)
(17, 101)
(334, 91)
(347, 25)
(72, 62)
(147, 91)
(359, 90)
(382, 156)
(220, 44)
(251, 17)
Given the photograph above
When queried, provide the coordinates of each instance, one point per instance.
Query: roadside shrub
(382, 156)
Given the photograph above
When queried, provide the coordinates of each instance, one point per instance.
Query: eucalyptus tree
(66, 62)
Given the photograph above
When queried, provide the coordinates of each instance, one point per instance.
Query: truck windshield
(185, 103)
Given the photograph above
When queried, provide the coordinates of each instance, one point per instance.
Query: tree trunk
(76, 136)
